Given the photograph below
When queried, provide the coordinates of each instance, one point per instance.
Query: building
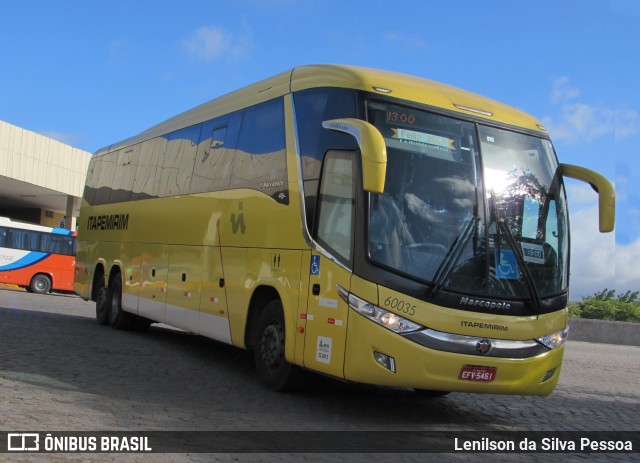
(41, 179)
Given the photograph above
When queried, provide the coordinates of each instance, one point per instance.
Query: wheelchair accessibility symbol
(506, 265)
(315, 265)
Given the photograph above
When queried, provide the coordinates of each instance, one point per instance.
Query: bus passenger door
(326, 317)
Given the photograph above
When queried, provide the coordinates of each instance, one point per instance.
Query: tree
(605, 305)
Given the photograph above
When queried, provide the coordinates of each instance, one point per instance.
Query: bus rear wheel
(40, 284)
(118, 318)
(102, 305)
(272, 368)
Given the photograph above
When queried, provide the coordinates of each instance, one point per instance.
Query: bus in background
(366, 225)
(40, 259)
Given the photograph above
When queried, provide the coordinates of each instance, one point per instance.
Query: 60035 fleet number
(400, 306)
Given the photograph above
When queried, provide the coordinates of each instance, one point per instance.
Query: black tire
(102, 304)
(271, 366)
(118, 318)
(40, 284)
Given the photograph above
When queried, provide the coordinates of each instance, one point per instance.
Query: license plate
(477, 373)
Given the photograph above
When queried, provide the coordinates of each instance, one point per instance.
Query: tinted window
(124, 174)
(212, 170)
(107, 168)
(260, 162)
(147, 178)
(92, 178)
(312, 108)
(337, 204)
(57, 244)
(23, 239)
(179, 159)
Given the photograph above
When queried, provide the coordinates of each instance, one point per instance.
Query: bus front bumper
(376, 355)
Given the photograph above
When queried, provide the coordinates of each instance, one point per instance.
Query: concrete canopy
(37, 172)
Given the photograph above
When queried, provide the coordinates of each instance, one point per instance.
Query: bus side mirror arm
(606, 193)
(372, 149)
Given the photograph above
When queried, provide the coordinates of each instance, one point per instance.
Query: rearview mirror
(606, 193)
(372, 149)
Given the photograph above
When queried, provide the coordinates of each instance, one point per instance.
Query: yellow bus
(366, 225)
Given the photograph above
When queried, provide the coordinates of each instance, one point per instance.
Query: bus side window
(125, 171)
(107, 171)
(149, 167)
(93, 175)
(3, 237)
(23, 239)
(260, 162)
(179, 161)
(336, 208)
(212, 170)
(551, 232)
(312, 107)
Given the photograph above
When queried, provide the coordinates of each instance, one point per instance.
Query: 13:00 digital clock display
(401, 117)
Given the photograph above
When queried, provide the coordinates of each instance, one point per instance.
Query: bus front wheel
(40, 284)
(272, 368)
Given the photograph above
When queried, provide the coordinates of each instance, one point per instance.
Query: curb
(605, 332)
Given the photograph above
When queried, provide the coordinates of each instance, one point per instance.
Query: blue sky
(92, 73)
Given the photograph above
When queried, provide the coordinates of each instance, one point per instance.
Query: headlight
(555, 340)
(381, 316)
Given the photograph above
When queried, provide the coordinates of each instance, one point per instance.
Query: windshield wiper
(453, 256)
(528, 278)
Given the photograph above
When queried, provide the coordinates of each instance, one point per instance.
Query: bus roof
(7, 222)
(393, 84)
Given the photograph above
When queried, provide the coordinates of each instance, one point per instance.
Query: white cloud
(593, 255)
(627, 123)
(578, 121)
(562, 91)
(579, 194)
(209, 43)
(627, 268)
(597, 262)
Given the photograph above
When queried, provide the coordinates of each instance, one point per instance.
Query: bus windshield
(468, 208)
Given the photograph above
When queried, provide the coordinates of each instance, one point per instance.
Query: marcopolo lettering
(486, 304)
(108, 222)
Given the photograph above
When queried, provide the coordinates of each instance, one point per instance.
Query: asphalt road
(60, 371)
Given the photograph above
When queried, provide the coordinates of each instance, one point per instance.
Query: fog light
(548, 375)
(386, 361)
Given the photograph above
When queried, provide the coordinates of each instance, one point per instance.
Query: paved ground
(60, 371)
